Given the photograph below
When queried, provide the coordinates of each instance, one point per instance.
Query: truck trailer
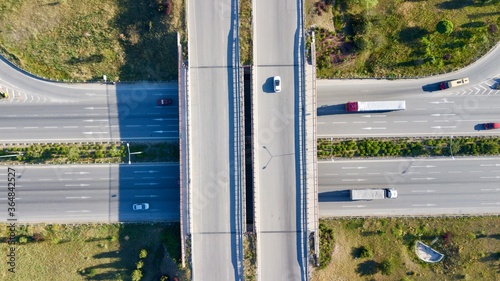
(373, 193)
(360, 106)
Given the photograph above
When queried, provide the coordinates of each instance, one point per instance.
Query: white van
(454, 83)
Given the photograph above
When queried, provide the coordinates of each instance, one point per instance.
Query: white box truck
(373, 193)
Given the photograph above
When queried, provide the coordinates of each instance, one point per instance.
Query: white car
(277, 84)
(140, 207)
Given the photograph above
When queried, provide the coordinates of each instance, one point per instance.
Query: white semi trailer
(373, 193)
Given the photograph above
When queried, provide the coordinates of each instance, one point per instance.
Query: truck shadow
(335, 196)
(431, 87)
(479, 127)
(331, 109)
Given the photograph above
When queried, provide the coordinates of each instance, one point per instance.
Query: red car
(163, 102)
(488, 126)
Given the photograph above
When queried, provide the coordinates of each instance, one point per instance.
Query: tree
(143, 254)
(444, 26)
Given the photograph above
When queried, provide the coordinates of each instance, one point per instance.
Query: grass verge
(89, 153)
(89, 252)
(383, 249)
(126, 40)
(408, 147)
(396, 38)
(246, 42)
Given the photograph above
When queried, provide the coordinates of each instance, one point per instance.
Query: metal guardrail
(304, 244)
(315, 151)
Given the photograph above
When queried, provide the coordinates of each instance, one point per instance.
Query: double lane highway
(93, 193)
(460, 185)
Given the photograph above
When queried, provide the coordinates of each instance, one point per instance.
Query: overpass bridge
(213, 144)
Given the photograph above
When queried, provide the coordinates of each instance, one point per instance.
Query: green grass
(126, 40)
(246, 43)
(408, 147)
(89, 153)
(398, 38)
(106, 252)
(470, 246)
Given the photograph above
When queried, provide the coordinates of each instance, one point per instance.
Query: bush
(365, 252)
(325, 245)
(92, 272)
(136, 275)
(444, 26)
(493, 28)
(23, 240)
(139, 264)
(143, 254)
(386, 267)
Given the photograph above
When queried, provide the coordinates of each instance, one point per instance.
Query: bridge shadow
(335, 196)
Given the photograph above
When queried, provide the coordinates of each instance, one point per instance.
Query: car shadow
(431, 87)
(268, 86)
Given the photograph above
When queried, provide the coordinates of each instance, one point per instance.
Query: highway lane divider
(330, 148)
(89, 153)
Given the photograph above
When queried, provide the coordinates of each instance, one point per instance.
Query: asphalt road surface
(430, 111)
(279, 217)
(215, 141)
(40, 111)
(427, 186)
(92, 193)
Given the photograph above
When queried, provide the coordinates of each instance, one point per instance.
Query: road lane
(426, 186)
(93, 193)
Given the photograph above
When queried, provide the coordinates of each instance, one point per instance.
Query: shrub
(92, 272)
(493, 28)
(386, 267)
(73, 154)
(136, 275)
(23, 239)
(325, 245)
(143, 254)
(444, 26)
(139, 264)
(365, 252)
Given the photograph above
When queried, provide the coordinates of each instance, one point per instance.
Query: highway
(93, 193)
(84, 112)
(430, 112)
(279, 210)
(427, 186)
(215, 141)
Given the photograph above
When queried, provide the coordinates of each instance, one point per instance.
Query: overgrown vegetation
(89, 153)
(408, 147)
(89, 252)
(250, 256)
(325, 245)
(398, 38)
(469, 244)
(126, 40)
(246, 42)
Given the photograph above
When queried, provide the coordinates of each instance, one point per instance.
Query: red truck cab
(489, 126)
(351, 106)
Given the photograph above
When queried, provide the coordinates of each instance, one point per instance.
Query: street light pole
(128, 148)
(130, 153)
